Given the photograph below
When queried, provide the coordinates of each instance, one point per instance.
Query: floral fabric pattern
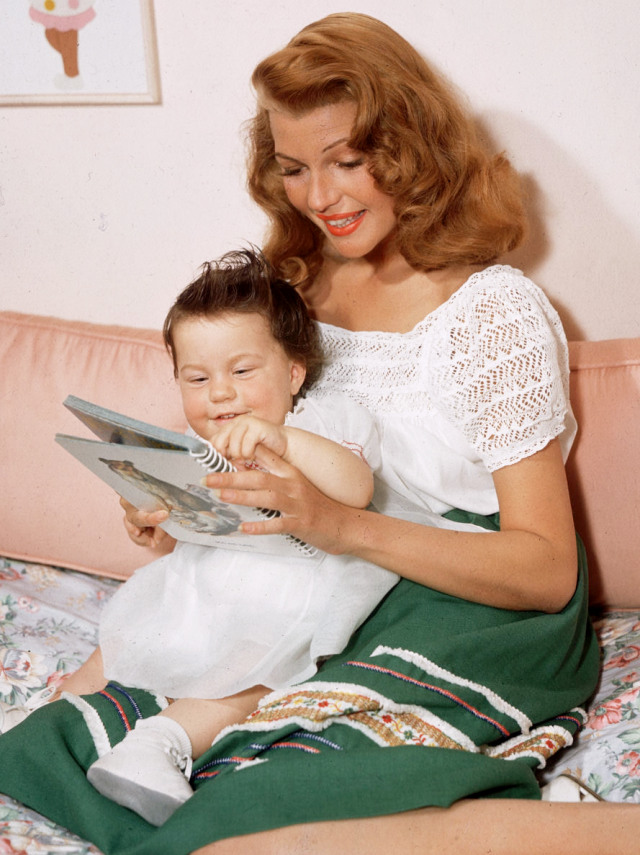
(605, 756)
(48, 627)
(25, 832)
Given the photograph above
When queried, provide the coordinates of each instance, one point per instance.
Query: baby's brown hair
(244, 281)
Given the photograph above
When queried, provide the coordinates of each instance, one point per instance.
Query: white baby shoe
(11, 716)
(148, 772)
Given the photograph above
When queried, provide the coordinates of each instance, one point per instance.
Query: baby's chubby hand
(239, 438)
(143, 527)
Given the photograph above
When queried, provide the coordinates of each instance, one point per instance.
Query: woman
(388, 216)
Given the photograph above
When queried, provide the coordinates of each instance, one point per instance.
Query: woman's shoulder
(497, 364)
(497, 291)
(500, 308)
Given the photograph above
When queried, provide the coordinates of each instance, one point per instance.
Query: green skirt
(435, 699)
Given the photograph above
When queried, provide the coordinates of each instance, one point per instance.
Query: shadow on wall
(580, 250)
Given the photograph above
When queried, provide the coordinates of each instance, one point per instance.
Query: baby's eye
(243, 371)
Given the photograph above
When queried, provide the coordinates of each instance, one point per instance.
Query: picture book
(154, 468)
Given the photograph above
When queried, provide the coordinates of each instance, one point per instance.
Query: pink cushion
(604, 465)
(54, 510)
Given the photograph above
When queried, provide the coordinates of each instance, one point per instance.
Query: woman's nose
(322, 191)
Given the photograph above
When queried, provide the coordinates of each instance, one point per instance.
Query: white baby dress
(207, 622)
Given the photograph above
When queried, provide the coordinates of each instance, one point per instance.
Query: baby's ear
(298, 373)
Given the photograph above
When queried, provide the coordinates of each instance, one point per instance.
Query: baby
(215, 628)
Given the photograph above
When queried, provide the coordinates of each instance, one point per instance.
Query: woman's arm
(472, 827)
(530, 564)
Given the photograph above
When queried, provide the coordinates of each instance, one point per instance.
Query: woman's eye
(289, 171)
(351, 164)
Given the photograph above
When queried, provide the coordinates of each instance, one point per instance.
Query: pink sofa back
(58, 513)
(604, 465)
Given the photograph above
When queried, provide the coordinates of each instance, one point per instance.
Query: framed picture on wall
(78, 52)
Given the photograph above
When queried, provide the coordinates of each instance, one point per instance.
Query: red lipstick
(353, 218)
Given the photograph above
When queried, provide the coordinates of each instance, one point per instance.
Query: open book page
(155, 468)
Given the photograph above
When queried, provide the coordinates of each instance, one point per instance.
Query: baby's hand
(143, 527)
(240, 437)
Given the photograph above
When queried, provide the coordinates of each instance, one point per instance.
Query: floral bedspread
(606, 754)
(49, 626)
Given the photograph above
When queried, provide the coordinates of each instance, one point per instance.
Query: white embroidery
(94, 724)
(429, 667)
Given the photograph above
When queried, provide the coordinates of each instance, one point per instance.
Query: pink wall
(106, 212)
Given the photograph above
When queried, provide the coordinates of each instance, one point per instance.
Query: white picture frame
(78, 52)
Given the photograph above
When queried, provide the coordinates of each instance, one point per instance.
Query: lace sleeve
(498, 368)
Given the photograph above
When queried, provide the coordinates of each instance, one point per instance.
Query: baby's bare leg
(204, 719)
(89, 678)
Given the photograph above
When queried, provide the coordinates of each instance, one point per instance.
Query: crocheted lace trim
(492, 360)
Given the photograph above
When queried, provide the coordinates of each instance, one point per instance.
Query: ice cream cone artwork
(62, 20)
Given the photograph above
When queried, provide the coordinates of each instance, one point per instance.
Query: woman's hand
(143, 527)
(306, 512)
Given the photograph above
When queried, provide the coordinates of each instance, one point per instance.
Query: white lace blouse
(480, 383)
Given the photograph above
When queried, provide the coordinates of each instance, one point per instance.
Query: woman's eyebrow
(334, 144)
(326, 148)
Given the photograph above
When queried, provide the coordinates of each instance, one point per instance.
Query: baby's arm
(335, 470)
(332, 468)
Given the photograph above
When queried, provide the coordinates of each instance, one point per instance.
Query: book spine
(212, 460)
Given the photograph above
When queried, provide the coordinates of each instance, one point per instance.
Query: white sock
(169, 727)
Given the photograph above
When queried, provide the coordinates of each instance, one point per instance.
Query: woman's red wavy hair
(455, 202)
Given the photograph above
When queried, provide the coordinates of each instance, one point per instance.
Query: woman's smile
(346, 224)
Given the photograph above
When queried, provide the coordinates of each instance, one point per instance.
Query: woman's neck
(360, 294)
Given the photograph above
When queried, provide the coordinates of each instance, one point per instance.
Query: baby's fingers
(143, 519)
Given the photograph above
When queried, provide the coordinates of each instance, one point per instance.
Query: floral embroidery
(541, 744)
(314, 705)
(318, 705)
(438, 689)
